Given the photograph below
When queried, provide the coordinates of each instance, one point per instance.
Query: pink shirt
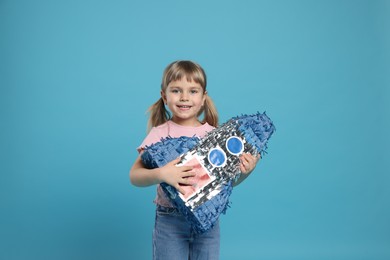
(173, 130)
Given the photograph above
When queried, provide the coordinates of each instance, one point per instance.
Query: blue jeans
(173, 238)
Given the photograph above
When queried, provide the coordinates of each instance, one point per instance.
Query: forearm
(143, 177)
(247, 165)
(240, 179)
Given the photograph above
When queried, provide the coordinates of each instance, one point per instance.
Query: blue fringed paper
(215, 158)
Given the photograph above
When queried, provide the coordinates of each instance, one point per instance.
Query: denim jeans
(173, 238)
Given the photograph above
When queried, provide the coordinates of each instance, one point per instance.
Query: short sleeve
(154, 136)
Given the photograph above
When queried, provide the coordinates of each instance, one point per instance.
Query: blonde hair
(176, 71)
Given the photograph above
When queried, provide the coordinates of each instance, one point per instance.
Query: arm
(170, 173)
(248, 163)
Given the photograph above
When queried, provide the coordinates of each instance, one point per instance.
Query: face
(184, 99)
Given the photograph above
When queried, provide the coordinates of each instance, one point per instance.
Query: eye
(194, 91)
(175, 90)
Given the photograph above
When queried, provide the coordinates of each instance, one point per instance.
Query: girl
(183, 92)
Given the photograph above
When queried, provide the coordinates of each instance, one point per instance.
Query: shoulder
(159, 132)
(161, 127)
(155, 135)
(208, 127)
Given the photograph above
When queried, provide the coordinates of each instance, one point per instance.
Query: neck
(191, 123)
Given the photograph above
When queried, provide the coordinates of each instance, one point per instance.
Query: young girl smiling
(183, 92)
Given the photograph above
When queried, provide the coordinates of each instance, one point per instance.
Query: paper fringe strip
(218, 154)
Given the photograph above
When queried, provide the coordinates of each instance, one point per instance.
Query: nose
(184, 96)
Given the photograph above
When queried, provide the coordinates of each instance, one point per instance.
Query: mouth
(184, 107)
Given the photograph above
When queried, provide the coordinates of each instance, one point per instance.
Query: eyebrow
(192, 87)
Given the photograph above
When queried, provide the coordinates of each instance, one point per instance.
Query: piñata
(215, 160)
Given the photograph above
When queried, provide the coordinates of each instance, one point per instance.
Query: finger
(184, 169)
(243, 168)
(187, 168)
(187, 182)
(256, 159)
(176, 161)
(188, 174)
(244, 159)
(252, 161)
(250, 157)
(180, 189)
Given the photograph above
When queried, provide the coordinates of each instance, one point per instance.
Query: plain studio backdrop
(77, 77)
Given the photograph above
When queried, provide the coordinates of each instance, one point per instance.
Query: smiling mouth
(184, 107)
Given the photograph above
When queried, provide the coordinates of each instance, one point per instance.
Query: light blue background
(77, 77)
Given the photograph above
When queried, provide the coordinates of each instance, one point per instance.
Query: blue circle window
(234, 145)
(217, 157)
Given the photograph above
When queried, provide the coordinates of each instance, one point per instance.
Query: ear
(204, 97)
(163, 96)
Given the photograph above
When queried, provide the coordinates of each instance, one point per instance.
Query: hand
(177, 175)
(248, 162)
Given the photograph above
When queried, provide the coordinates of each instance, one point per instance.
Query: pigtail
(210, 112)
(158, 114)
